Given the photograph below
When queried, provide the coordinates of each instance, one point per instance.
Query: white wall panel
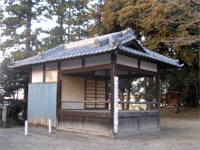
(127, 61)
(70, 64)
(37, 74)
(148, 66)
(98, 60)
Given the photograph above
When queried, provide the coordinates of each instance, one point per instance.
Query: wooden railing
(85, 101)
(120, 102)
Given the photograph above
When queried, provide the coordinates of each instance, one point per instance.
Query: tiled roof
(96, 45)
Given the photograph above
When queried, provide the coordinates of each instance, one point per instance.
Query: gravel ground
(176, 134)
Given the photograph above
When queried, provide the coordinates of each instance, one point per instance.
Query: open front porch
(89, 98)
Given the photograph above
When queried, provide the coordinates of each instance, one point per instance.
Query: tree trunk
(69, 22)
(197, 93)
(28, 28)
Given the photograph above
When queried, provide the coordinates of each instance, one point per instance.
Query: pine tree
(16, 25)
(95, 17)
(80, 20)
(11, 81)
(70, 18)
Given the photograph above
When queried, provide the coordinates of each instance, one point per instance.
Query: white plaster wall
(37, 74)
(51, 66)
(127, 61)
(70, 64)
(98, 60)
(148, 66)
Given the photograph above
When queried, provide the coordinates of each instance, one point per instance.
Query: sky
(44, 24)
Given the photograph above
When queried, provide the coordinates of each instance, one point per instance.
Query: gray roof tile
(95, 45)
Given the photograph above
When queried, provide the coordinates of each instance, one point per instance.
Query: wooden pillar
(30, 75)
(59, 89)
(43, 66)
(128, 98)
(122, 98)
(158, 96)
(113, 73)
(106, 92)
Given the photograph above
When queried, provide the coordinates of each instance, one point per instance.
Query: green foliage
(95, 16)
(125, 84)
(168, 27)
(13, 111)
(146, 88)
(16, 26)
(185, 81)
(121, 14)
(71, 17)
(11, 80)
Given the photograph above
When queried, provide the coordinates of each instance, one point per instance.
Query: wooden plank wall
(86, 121)
(131, 122)
(72, 90)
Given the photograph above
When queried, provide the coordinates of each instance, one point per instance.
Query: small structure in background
(172, 98)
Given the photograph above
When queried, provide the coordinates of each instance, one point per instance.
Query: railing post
(49, 125)
(26, 128)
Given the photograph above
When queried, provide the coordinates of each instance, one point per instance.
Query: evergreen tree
(168, 27)
(80, 20)
(11, 81)
(70, 19)
(17, 24)
(95, 17)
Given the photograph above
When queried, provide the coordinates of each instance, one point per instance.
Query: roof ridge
(103, 39)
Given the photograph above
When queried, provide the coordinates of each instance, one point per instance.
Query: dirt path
(176, 134)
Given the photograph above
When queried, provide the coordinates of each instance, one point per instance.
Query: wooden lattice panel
(95, 91)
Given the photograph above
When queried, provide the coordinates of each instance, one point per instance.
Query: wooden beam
(138, 46)
(133, 76)
(127, 102)
(85, 69)
(83, 62)
(138, 63)
(87, 76)
(95, 101)
(140, 71)
(85, 113)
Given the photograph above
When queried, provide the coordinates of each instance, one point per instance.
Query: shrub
(13, 111)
